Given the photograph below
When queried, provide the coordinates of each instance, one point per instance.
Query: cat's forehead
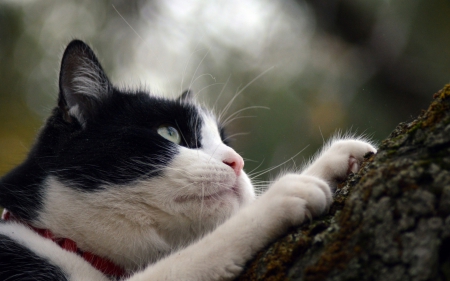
(210, 129)
(142, 108)
(195, 122)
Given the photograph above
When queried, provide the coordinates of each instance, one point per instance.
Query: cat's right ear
(186, 96)
(82, 83)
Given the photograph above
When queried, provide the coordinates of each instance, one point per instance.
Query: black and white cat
(123, 185)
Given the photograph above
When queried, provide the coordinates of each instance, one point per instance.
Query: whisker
(212, 154)
(201, 209)
(221, 92)
(180, 189)
(237, 118)
(195, 72)
(256, 167)
(204, 74)
(272, 168)
(187, 64)
(235, 135)
(323, 139)
(227, 107)
(250, 160)
(127, 22)
(244, 109)
(204, 88)
(160, 167)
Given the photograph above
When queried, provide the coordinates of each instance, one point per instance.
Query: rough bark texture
(390, 221)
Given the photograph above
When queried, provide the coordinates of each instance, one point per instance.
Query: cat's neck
(102, 264)
(131, 238)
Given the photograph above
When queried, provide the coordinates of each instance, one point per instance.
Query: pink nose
(235, 161)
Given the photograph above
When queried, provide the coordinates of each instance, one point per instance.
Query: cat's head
(110, 159)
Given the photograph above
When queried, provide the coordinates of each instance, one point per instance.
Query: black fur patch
(17, 263)
(121, 145)
(223, 135)
(112, 140)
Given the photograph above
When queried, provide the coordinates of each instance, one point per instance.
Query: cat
(124, 185)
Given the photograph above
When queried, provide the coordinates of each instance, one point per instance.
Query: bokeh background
(298, 70)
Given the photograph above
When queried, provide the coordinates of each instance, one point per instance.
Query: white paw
(295, 198)
(339, 159)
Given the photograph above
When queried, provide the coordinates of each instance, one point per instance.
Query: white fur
(139, 224)
(289, 201)
(87, 80)
(328, 163)
(74, 266)
(156, 216)
(199, 220)
(76, 112)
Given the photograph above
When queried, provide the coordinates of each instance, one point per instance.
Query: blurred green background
(319, 65)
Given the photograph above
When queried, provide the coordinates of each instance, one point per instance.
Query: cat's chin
(225, 193)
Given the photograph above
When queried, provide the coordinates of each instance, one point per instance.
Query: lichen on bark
(390, 221)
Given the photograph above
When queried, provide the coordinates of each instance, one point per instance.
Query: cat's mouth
(215, 196)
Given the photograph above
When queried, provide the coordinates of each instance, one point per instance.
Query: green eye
(169, 133)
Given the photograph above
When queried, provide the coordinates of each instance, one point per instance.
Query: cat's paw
(295, 198)
(339, 159)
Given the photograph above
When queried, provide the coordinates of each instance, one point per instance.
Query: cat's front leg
(339, 158)
(313, 187)
(222, 254)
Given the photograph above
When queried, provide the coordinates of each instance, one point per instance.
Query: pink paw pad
(353, 165)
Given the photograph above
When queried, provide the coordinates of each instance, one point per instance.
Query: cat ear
(187, 96)
(82, 83)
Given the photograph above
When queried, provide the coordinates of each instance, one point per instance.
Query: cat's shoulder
(24, 255)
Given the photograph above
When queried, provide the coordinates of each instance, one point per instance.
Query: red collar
(104, 265)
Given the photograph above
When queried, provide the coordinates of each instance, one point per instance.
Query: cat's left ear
(187, 96)
(83, 84)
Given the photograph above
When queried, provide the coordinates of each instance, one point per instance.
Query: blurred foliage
(320, 65)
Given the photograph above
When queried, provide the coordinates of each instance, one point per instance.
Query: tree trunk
(390, 221)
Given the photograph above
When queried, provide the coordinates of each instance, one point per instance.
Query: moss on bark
(390, 221)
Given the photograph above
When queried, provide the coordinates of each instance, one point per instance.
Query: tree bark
(390, 221)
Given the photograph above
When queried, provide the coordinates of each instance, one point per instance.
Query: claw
(308, 215)
(353, 165)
